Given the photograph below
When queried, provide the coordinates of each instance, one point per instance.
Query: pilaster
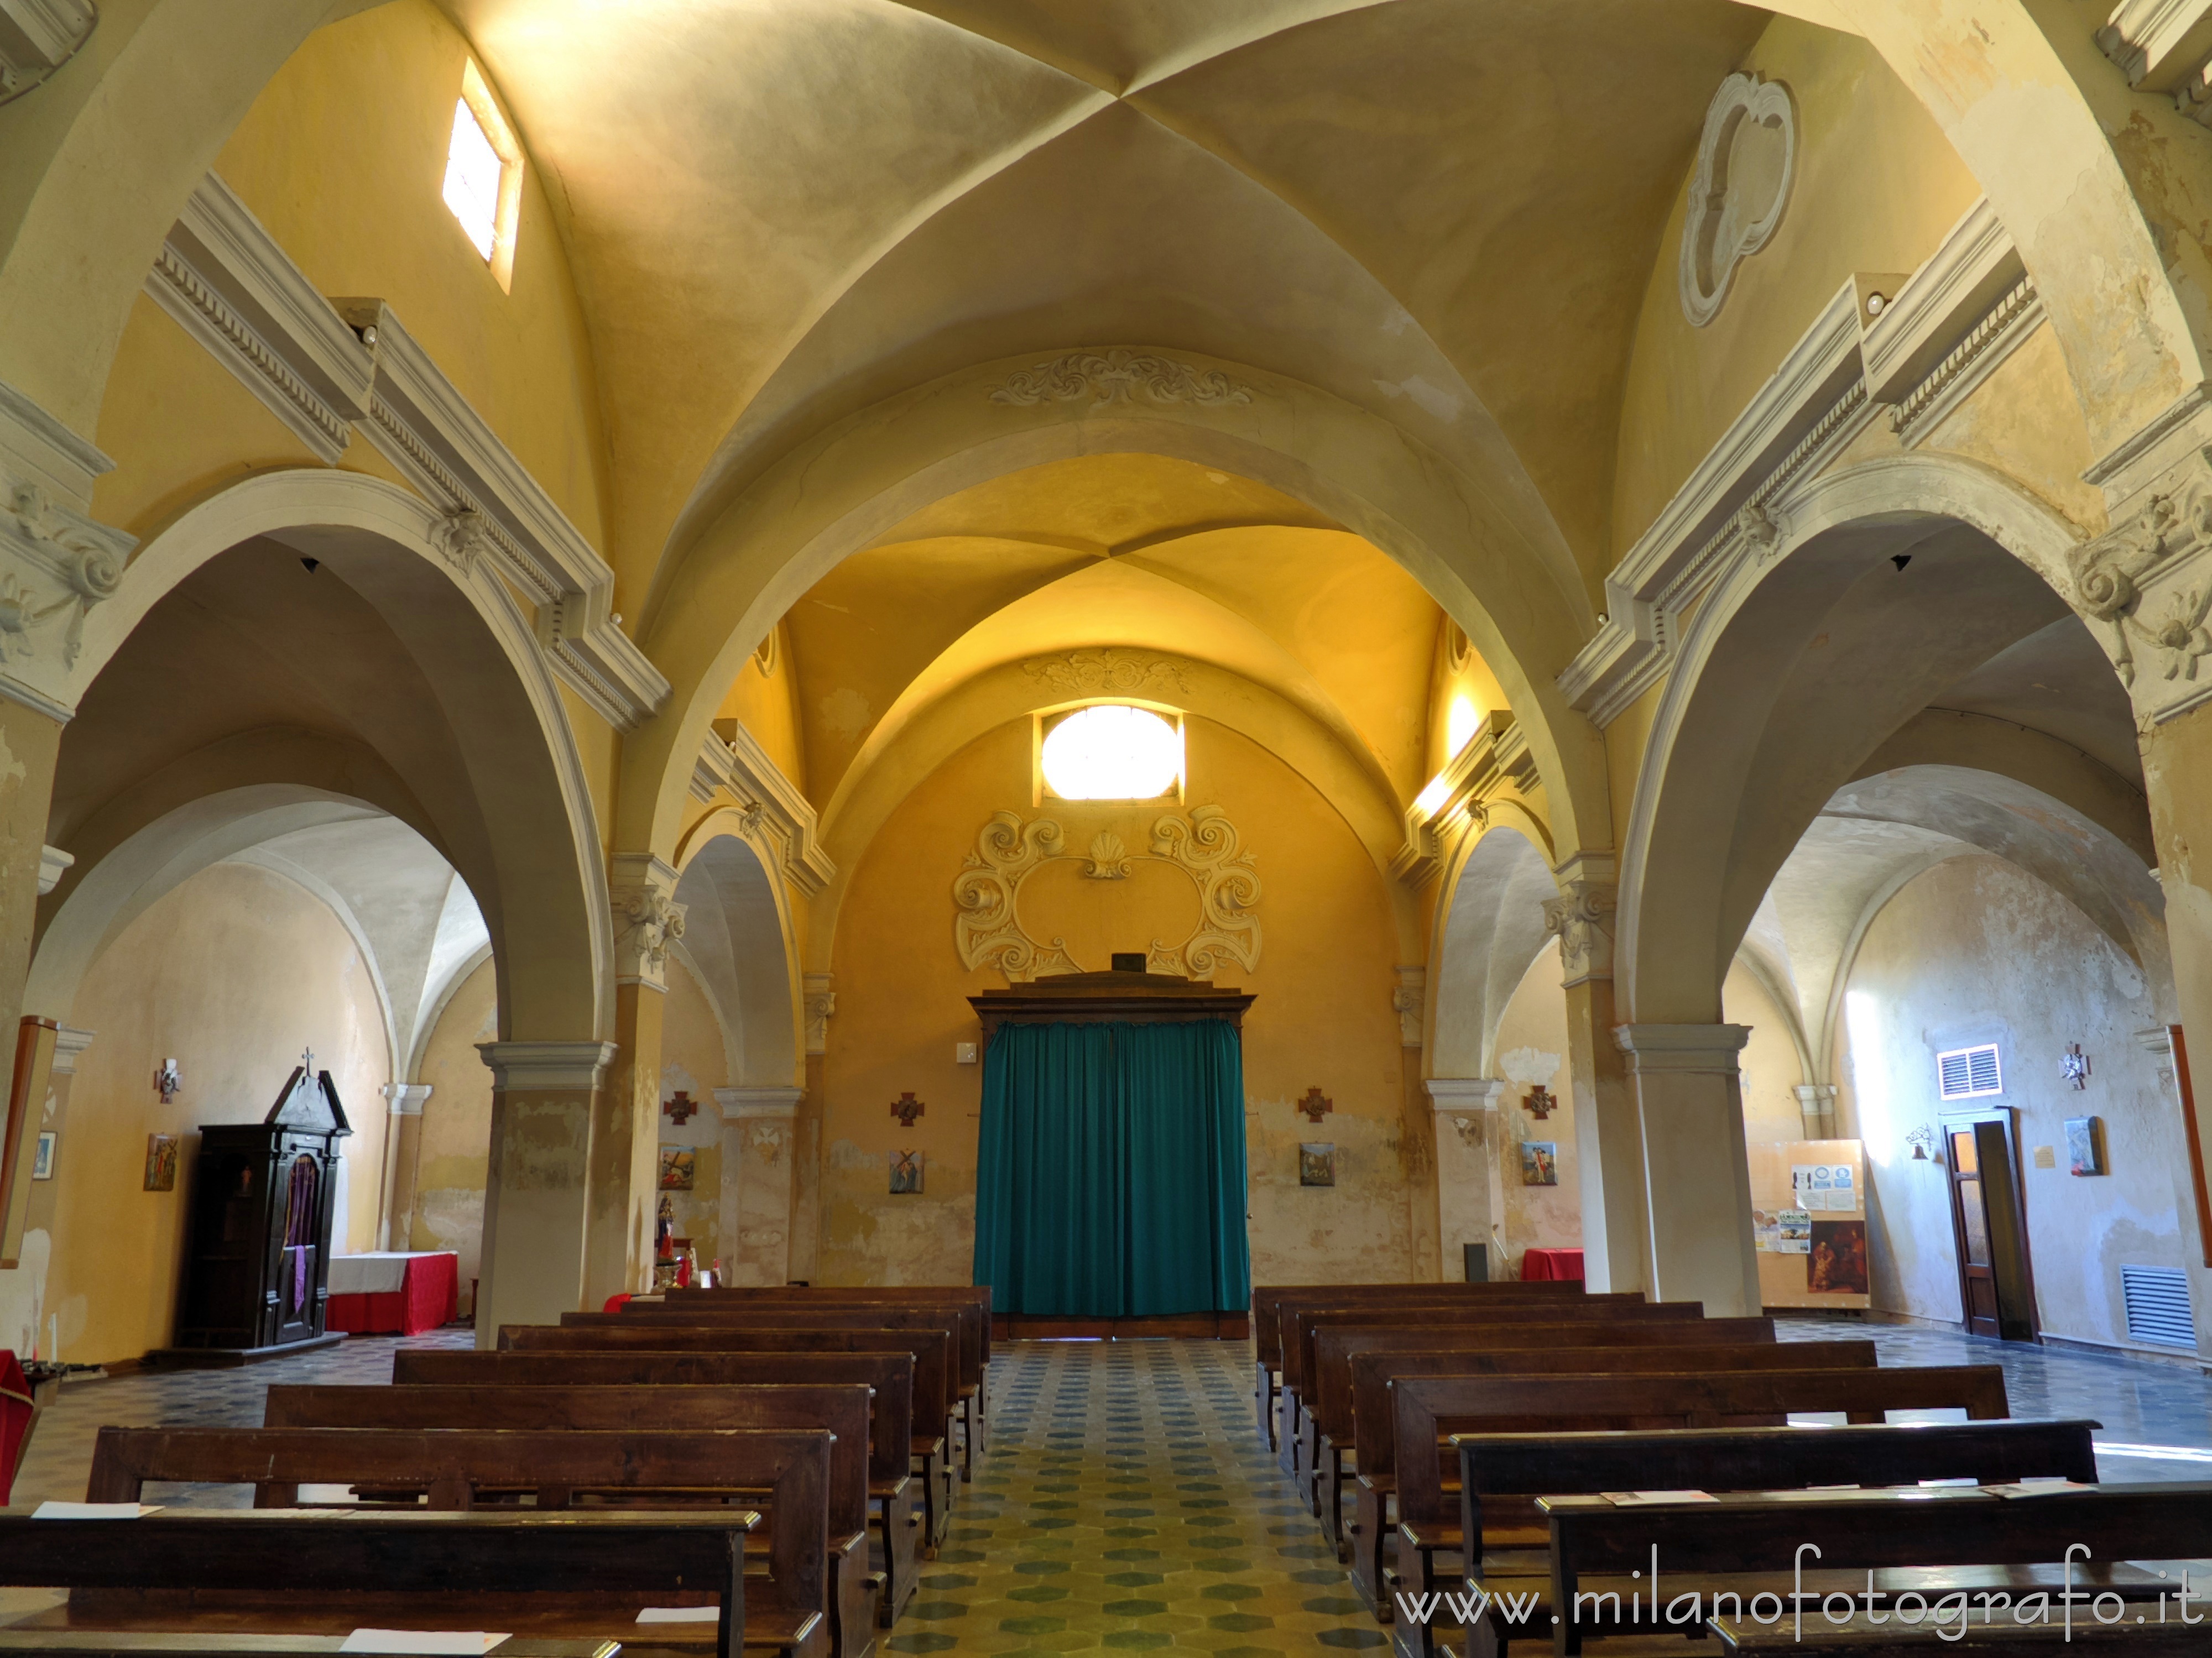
(820, 1005)
(403, 1144)
(1470, 1180)
(536, 1185)
(1697, 1177)
(759, 1153)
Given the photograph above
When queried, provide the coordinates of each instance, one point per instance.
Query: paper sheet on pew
(441, 1642)
(680, 1615)
(1647, 1499)
(94, 1510)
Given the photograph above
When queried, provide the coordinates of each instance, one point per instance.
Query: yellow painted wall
(1769, 1062)
(232, 974)
(1532, 1049)
(1876, 187)
(767, 705)
(1323, 1017)
(453, 1150)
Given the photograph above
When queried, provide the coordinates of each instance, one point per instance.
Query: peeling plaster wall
(1532, 1049)
(692, 1060)
(231, 974)
(455, 1141)
(1977, 950)
(1323, 1017)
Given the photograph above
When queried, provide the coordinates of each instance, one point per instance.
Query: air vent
(1968, 1074)
(2158, 1305)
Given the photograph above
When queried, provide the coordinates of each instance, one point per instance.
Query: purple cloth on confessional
(299, 1220)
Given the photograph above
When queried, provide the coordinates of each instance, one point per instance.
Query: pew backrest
(1299, 1322)
(973, 1301)
(687, 1392)
(964, 1333)
(1266, 1331)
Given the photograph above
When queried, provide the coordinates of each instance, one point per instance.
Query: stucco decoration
(1582, 916)
(988, 930)
(648, 920)
(56, 565)
(1108, 672)
(2129, 580)
(1118, 376)
(1745, 161)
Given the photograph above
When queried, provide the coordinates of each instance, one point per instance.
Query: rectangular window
(1969, 1074)
(484, 175)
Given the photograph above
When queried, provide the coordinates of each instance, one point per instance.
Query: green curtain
(1110, 1183)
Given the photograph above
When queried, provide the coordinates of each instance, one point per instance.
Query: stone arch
(1751, 736)
(507, 804)
(1489, 927)
(847, 486)
(739, 938)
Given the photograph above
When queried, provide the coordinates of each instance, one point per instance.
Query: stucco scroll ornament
(1207, 847)
(1763, 529)
(1746, 159)
(2111, 572)
(1119, 375)
(1108, 672)
(63, 563)
(1109, 860)
(987, 931)
(464, 537)
(652, 920)
(1582, 919)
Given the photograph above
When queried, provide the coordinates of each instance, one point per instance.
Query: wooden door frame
(2006, 1117)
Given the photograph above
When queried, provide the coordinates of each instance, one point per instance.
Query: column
(1816, 1104)
(1689, 1108)
(536, 1188)
(759, 1153)
(1418, 1127)
(820, 1005)
(1470, 1185)
(2158, 1042)
(625, 1177)
(403, 1145)
(1608, 1143)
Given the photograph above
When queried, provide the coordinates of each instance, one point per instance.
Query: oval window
(1112, 752)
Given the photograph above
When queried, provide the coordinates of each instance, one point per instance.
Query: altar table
(1551, 1264)
(391, 1292)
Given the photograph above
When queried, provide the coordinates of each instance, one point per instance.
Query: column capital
(1711, 1049)
(1464, 1093)
(647, 919)
(519, 1066)
(821, 1003)
(68, 1044)
(1582, 916)
(406, 1098)
(1409, 1000)
(744, 1104)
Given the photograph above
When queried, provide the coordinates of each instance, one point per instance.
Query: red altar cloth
(15, 1419)
(1551, 1264)
(429, 1294)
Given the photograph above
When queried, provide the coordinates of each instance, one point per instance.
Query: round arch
(851, 483)
(1489, 927)
(511, 811)
(1753, 734)
(740, 939)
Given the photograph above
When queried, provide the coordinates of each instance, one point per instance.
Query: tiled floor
(1128, 1505)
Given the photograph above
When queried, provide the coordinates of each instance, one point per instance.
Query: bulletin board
(1810, 1222)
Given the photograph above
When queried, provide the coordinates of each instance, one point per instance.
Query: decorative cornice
(647, 919)
(1935, 341)
(519, 1067)
(2163, 45)
(1496, 758)
(228, 284)
(39, 449)
(1118, 375)
(1705, 1049)
(753, 1104)
(730, 757)
(37, 37)
(1464, 1093)
(68, 1043)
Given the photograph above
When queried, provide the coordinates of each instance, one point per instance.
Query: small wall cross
(906, 1109)
(1315, 1105)
(2074, 1065)
(682, 1109)
(1541, 1103)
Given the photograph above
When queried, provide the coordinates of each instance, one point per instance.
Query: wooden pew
(1298, 1320)
(1502, 1474)
(974, 1302)
(220, 1571)
(853, 1592)
(686, 1392)
(962, 1324)
(190, 1644)
(1425, 1410)
(1267, 1332)
(933, 1376)
(1687, 1352)
(2005, 1543)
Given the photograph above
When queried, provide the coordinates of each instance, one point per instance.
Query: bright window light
(1461, 724)
(1112, 752)
(1869, 1074)
(484, 175)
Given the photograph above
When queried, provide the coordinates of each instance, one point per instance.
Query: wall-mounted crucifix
(1315, 1105)
(1541, 1103)
(906, 1109)
(682, 1109)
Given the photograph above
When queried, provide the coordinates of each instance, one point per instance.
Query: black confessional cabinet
(257, 1254)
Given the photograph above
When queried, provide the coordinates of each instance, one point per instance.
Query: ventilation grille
(2158, 1305)
(1967, 1073)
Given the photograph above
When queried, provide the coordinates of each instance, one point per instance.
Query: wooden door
(1996, 1289)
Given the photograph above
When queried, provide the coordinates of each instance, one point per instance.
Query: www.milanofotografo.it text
(1951, 1612)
